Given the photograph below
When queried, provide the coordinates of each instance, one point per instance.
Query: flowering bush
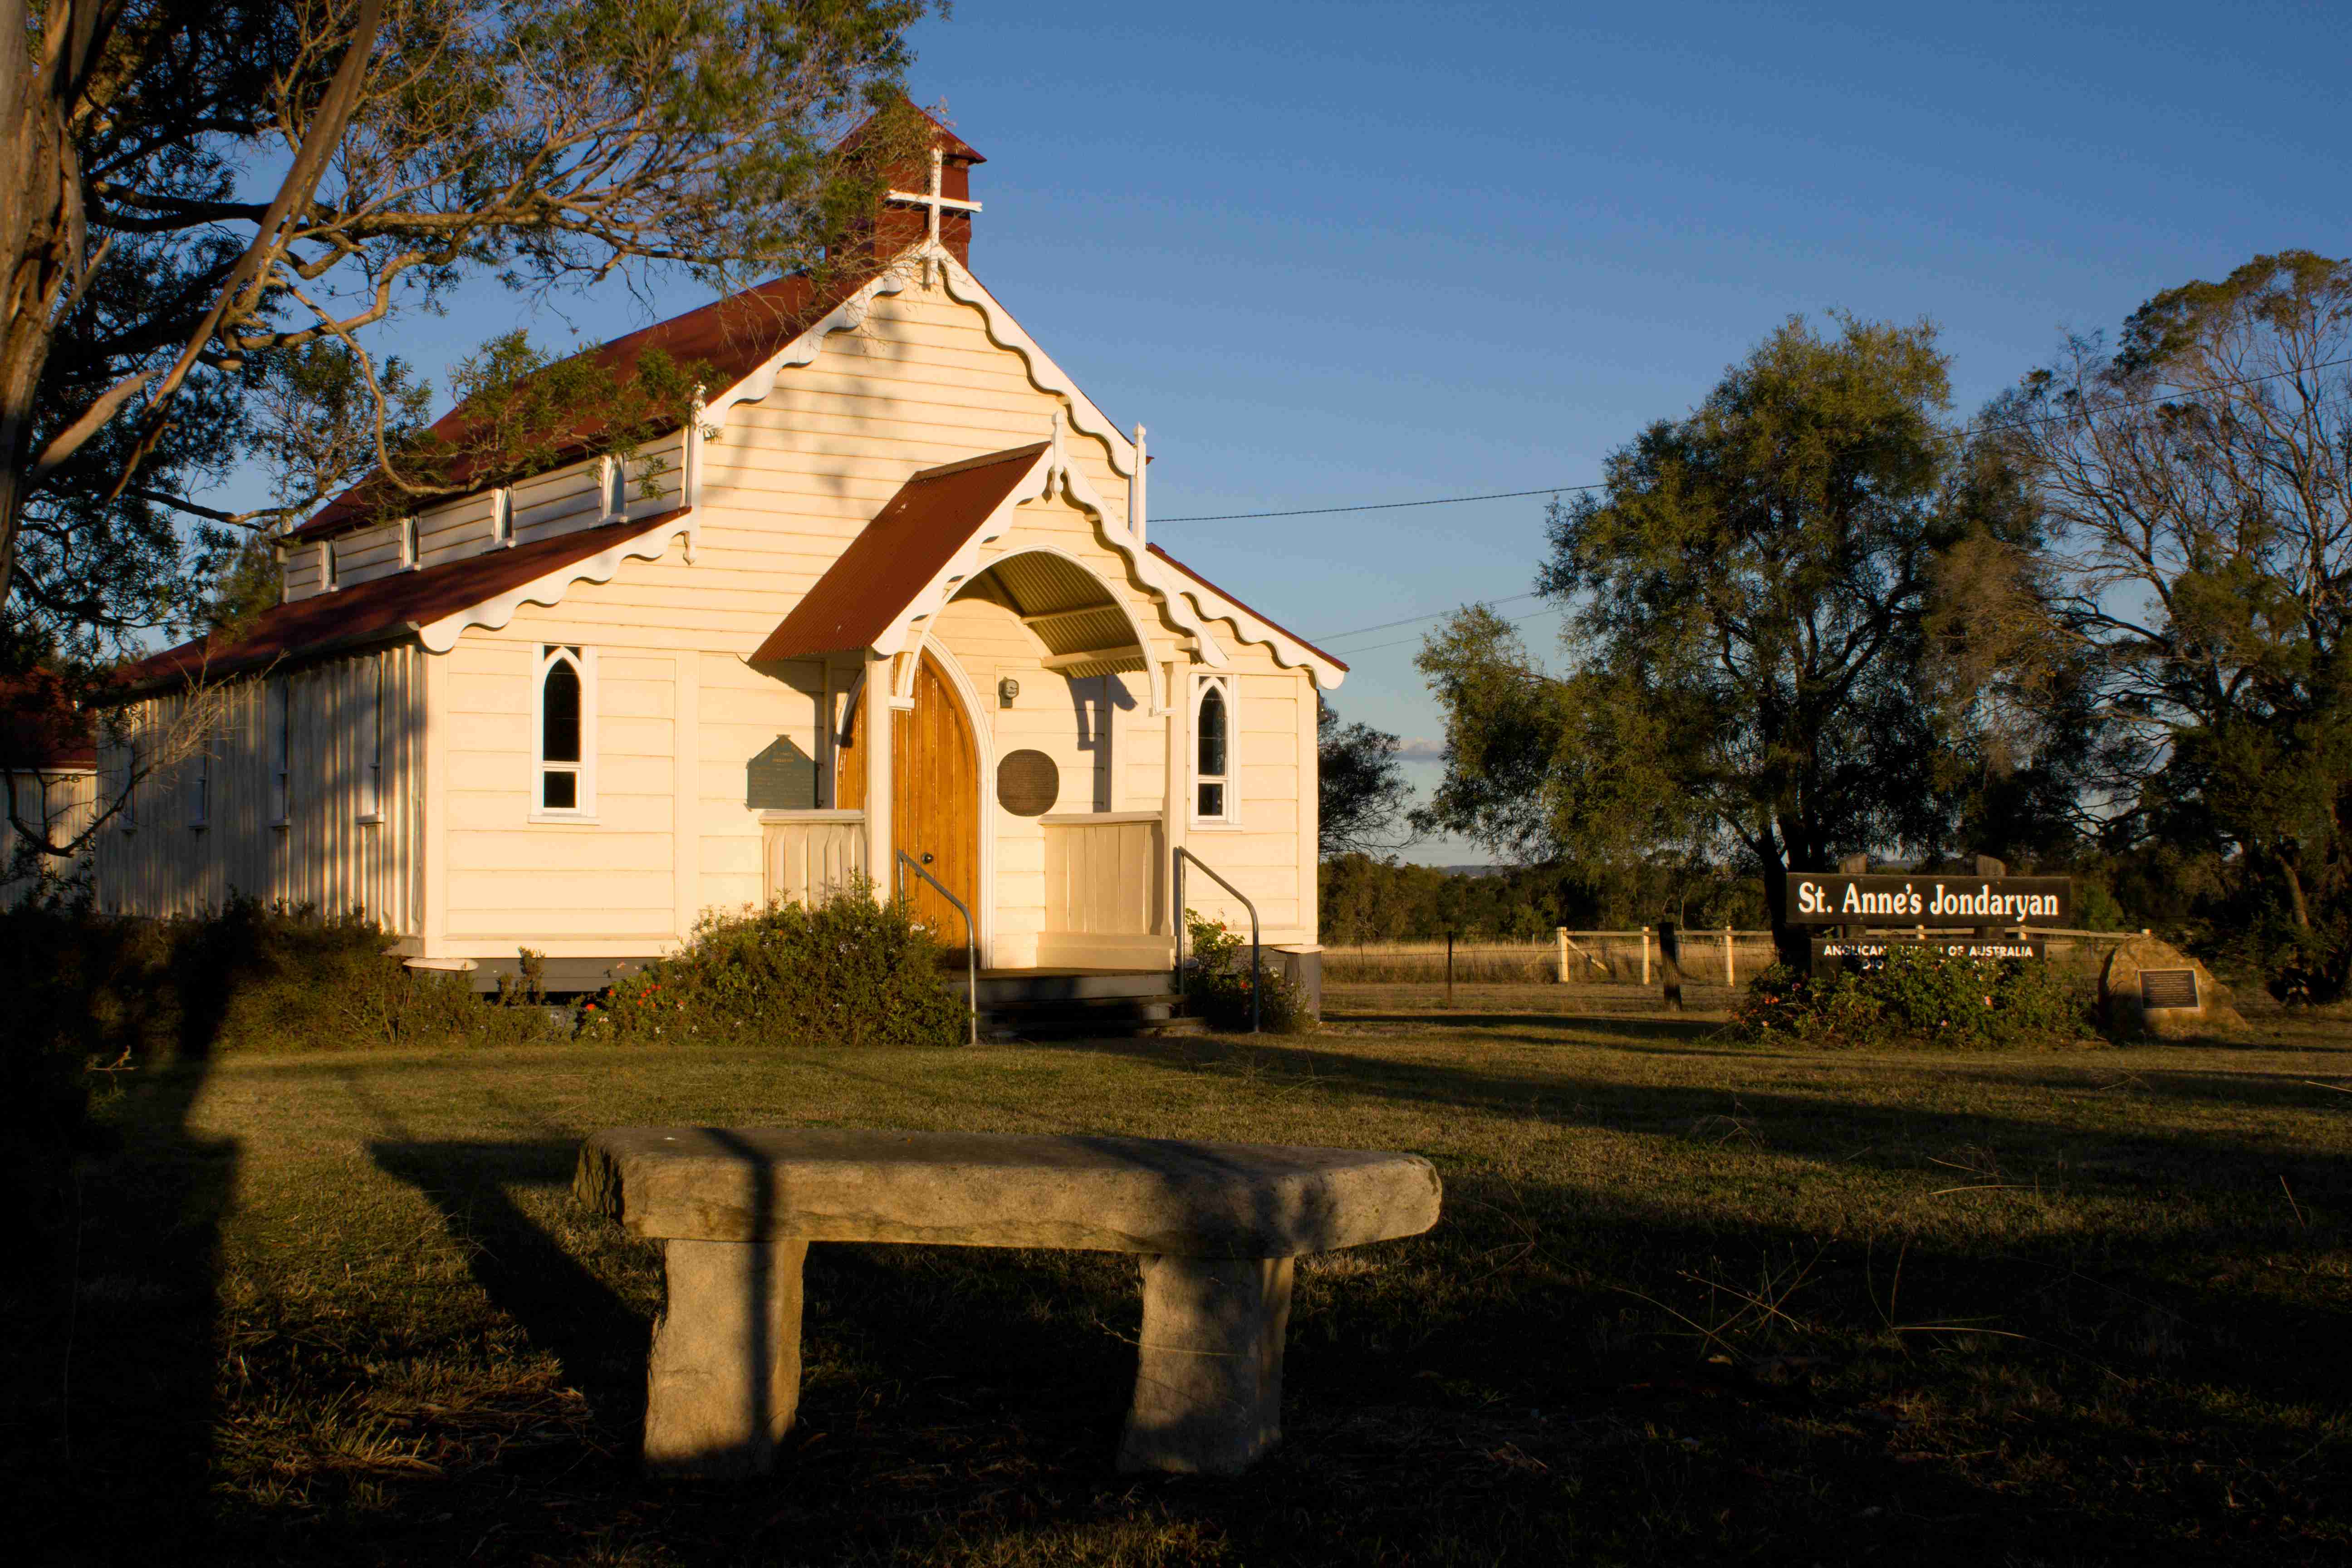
(845, 972)
(1921, 998)
(1217, 983)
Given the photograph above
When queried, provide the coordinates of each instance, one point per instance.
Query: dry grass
(1689, 1303)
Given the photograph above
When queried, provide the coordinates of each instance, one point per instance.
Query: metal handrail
(1258, 970)
(971, 933)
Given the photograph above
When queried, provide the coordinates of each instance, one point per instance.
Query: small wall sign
(1027, 784)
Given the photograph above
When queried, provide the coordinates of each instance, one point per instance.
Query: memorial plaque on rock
(1027, 784)
(2167, 988)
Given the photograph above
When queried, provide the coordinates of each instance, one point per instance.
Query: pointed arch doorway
(935, 775)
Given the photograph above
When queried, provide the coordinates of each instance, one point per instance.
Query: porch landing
(1065, 1003)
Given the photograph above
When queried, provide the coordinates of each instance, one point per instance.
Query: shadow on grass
(563, 1305)
(964, 1403)
(1537, 1024)
(1825, 1127)
(114, 1373)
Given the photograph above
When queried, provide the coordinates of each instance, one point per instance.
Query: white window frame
(327, 583)
(280, 717)
(503, 517)
(372, 747)
(1226, 689)
(583, 659)
(408, 544)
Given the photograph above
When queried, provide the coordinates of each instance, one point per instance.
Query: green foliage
(1749, 601)
(1921, 999)
(537, 144)
(1218, 983)
(1363, 793)
(92, 991)
(2198, 480)
(1364, 899)
(848, 971)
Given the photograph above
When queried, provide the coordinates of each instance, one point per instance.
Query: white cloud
(1420, 751)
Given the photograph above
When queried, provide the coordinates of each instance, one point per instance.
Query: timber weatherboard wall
(680, 711)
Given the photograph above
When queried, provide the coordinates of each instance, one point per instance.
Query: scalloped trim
(494, 615)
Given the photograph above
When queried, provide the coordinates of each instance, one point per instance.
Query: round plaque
(1027, 784)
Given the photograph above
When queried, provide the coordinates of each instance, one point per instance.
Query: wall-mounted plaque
(2161, 988)
(782, 777)
(1027, 784)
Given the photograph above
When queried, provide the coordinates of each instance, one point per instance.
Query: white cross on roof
(933, 201)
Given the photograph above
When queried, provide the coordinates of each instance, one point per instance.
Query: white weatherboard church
(567, 715)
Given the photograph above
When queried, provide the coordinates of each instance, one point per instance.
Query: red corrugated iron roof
(1269, 620)
(382, 610)
(41, 727)
(916, 533)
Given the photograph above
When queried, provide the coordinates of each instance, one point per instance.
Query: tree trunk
(2296, 898)
(37, 237)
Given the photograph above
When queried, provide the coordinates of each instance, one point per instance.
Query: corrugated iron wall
(329, 853)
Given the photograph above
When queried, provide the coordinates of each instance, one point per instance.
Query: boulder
(2151, 987)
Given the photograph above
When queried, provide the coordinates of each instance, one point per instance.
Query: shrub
(87, 989)
(1217, 984)
(1921, 998)
(849, 971)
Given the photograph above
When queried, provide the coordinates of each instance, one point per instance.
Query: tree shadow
(1826, 1126)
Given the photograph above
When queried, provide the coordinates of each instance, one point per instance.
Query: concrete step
(1034, 1006)
(1018, 986)
(1089, 1028)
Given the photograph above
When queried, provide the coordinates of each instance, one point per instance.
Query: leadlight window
(566, 743)
(1212, 729)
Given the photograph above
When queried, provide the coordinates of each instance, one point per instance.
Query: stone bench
(1217, 1226)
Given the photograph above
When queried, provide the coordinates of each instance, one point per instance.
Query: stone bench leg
(1208, 1388)
(724, 1378)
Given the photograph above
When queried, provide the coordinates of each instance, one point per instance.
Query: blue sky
(1352, 253)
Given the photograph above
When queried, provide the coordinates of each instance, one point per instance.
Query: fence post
(1449, 967)
(1563, 935)
(1727, 954)
(1645, 955)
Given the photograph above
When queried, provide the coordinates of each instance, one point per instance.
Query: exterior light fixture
(1006, 690)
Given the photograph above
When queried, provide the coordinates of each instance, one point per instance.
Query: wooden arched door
(935, 775)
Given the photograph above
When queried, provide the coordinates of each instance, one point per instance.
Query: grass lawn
(1689, 1302)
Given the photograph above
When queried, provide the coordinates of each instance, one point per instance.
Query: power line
(1566, 490)
(1381, 506)
(1409, 620)
(1401, 642)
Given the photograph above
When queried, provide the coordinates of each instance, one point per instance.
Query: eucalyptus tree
(1362, 795)
(2196, 479)
(207, 206)
(1749, 601)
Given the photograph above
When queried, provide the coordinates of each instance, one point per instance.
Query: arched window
(1211, 726)
(566, 732)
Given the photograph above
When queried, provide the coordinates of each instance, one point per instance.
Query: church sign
(1822, 899)
(1869, 953)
